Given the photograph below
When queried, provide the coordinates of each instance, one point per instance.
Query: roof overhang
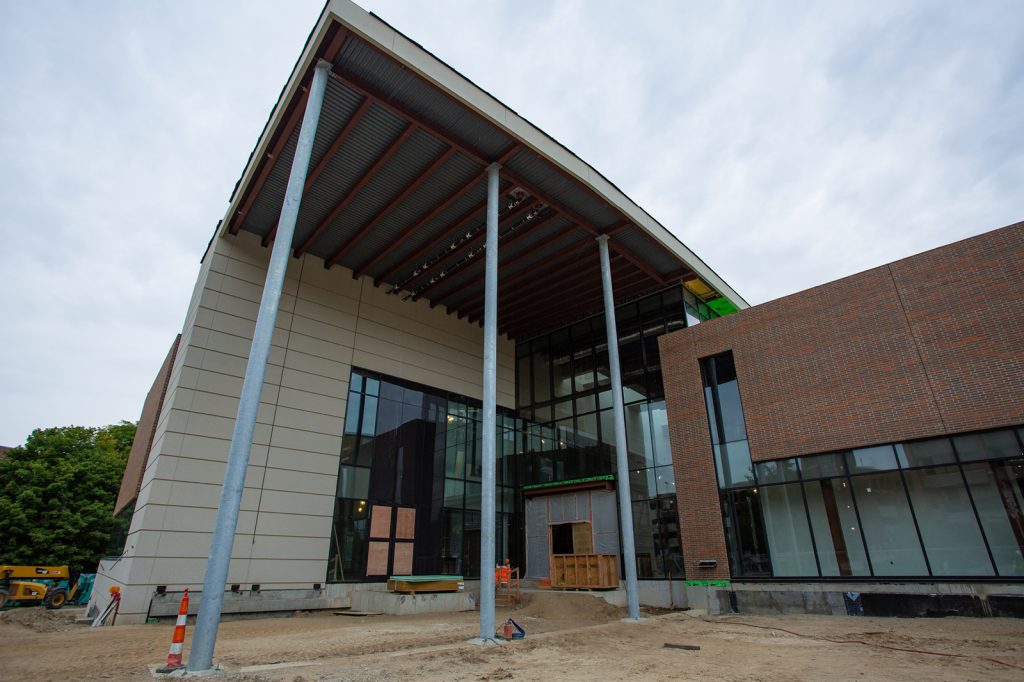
(397, 184)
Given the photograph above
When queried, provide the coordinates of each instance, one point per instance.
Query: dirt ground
(570, 636)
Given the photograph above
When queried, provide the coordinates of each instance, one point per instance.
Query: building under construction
(864, 436)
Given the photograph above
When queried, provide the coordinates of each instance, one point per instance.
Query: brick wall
(929, 345)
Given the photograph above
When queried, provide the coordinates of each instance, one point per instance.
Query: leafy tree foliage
(57, 495)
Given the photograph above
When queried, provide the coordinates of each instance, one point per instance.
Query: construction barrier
(178, 640)
(112, 608)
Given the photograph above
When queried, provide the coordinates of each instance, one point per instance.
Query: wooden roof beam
(339, 140)
(330, 53)
(372, 222)
(354, 191)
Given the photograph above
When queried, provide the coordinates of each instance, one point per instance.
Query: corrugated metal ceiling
(402, 219)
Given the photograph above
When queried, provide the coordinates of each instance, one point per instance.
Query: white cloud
(787, 145)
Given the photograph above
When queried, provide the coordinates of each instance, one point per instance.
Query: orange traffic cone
(174, 655)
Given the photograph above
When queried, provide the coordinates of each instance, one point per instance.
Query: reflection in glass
(788, 535)
(990, 445)
(925, 453)
(949, 529)
(889, 527)
(836, 528)
(997, 491)
(866, 460)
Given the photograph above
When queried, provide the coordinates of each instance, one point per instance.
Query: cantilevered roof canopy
(396, 189)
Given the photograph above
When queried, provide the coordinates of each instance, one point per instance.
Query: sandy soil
(570, 636)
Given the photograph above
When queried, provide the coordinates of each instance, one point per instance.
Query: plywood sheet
(403, 558)
(405, 524)
(377, 558)
(380, 521)
(582, 538)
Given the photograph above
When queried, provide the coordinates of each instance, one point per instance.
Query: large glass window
(567, 396)
(726, 423)
(997, 491)
(949, 528)
(406, 447)
(837, 534)
(937, 507)
(786, 529)
(889, 530)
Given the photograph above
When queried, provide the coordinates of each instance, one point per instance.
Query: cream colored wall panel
(192, 356)
(182, 544)
(238, 307)
(155, 491)
(248, 272)
(218, 261)
(429, 356)
(297, 503)
(458, 333)
(345, 302)
(336, 280)
(301, 460)
(187, 469)
(204, 318)
(203, 447)
(223, 364)
(317, 365)
(210, 426)
(320, 348)
(150, 517)
(313, 383)
(168, 443)
(232, 324)
(177, 420)
(239, 288)
(211, 382)
(295, 439)
(277, 546)
(294, 525)
(181, 517)
(176, 572)
(285, 573)
(307, 421)
(342, 337)
(312, 402)
(214, 404)
(228, 344)
(261, 434)
(372, 335)
(442, 380)
(285, 480)
(316, 311)
(199, 337)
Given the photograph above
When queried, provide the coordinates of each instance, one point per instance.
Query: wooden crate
(585, 571)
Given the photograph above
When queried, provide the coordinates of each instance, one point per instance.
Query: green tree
(57, 495)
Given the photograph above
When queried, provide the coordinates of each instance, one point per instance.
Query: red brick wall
(932, 344)
(131, 480)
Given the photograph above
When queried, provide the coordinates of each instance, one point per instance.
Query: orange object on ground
(177, 642)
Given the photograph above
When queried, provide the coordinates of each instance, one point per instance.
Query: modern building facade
(869, 428)
(367, 456)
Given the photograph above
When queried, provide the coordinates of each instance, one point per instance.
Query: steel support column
(208, 620)
(619, 414)
(490, 399)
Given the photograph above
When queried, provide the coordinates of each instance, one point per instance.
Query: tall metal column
(201, 654)
(619, 414)
(490, 399)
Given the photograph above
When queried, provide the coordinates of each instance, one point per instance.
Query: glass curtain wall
(564, 392)
(942, 507)
(409, 446)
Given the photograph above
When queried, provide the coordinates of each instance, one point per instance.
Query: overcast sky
(788, 144)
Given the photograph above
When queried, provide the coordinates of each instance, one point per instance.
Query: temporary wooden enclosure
(585, 571)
